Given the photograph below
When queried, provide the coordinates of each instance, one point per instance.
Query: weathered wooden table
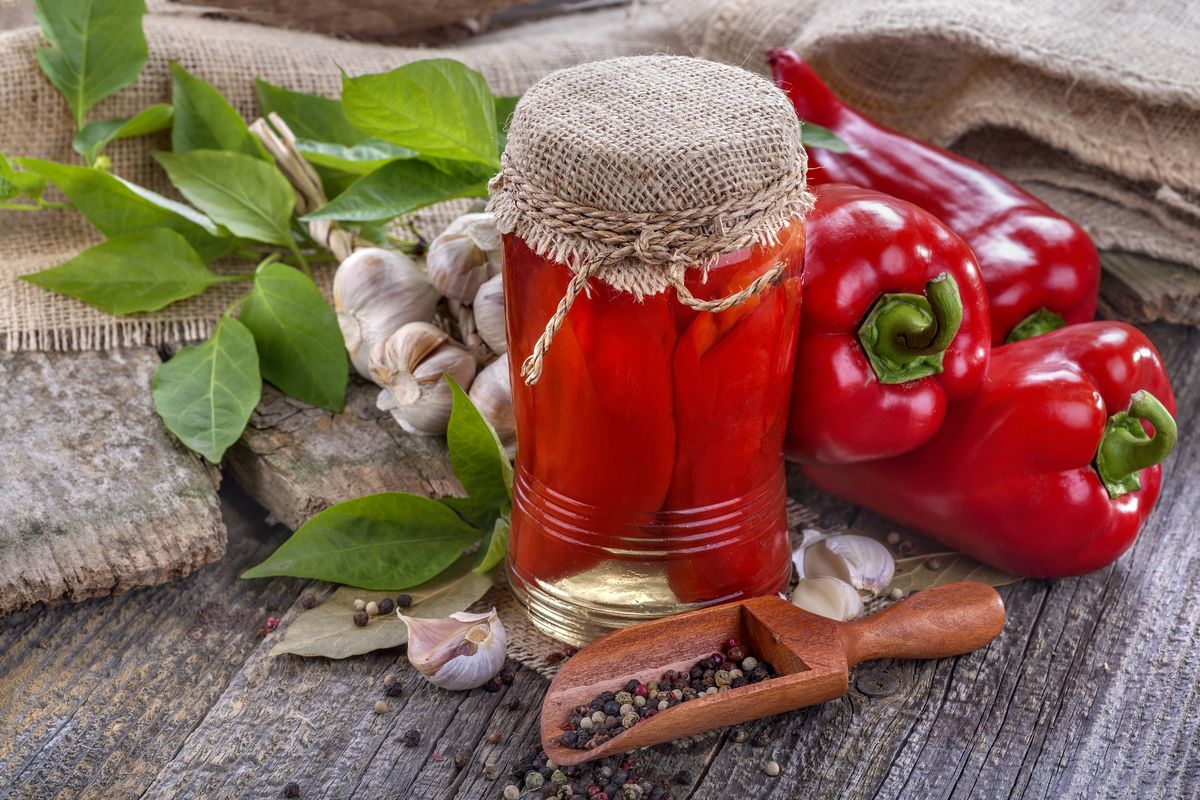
(1091, 691)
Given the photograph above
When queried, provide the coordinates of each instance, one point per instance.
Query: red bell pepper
(895, 327)
(1041, 269)
(1050, 469)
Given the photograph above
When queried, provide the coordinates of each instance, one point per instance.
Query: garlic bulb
(860, 561)
(409, 365)
(492, 395)
(828, 597)
(464, 255)
(375, 291)
(489, 314)
(462, 651)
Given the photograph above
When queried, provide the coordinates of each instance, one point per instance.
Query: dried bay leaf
(329, 630)
(913, 572)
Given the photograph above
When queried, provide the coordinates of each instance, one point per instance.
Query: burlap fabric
(1112, 87)
(634, 170)
(35, 122)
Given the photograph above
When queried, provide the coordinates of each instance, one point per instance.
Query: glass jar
(649, 473)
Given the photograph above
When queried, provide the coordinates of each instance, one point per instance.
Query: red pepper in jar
(1041, 269)
(588, 450)
(895, 328)
(732, 373)
(1050, 469)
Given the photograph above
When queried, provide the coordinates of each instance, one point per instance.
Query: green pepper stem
(1125, 449)
(1041, 321)
(905, 335)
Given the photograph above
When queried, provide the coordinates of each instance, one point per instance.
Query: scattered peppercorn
(771, 768)
(411, 737)
(389, 679)
(491, 771)
(361, 618)
(554, 658)
(534, 780)
(906, 548)
(387, 605)
(394, 689)
(513, 704)
(494, 684)
(360, 604)
(372, 608)
(461, 759)
(270, 625)
(511, 792)
(507, 676)
(308, 600)
(893, 538)
(934, 563)
(403, 601)
(896, 594)
(291, 789)
(381, 707)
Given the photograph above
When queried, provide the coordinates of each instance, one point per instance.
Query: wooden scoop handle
(943, 621)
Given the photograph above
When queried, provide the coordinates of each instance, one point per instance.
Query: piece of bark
(98, 496)
(297, 460)
(1143, 289)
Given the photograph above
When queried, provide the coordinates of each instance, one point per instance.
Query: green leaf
(308, 115)
(300, 346)
(381, 541)
(204, 119)
(439, 107)
(248, 196)
(97, 48)
(815, 136)
(205, 394)
(399, 187)
(14, 183)
(366, 156)
(141, 271)
(95, 136)
(116, 207)
(505, 106)
(476, 455)
(494, 549)
(329, 630)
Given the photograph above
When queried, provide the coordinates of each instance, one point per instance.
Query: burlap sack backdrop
(35, 122)
(1112, 87)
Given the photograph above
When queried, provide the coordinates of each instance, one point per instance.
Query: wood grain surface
(1090, 691)
(98, 496)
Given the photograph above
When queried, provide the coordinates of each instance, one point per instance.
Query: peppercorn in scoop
(610, 713)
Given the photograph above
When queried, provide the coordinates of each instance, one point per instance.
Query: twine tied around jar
(633, 171)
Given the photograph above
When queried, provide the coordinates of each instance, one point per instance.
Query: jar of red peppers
(652, 211)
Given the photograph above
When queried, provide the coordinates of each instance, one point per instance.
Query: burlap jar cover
(632, 171)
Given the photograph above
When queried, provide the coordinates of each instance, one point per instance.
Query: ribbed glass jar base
(581, 573)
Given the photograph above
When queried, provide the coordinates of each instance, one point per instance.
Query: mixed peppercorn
(612, 778)
(610, 713)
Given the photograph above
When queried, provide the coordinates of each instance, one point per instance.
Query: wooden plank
(95, 697)
(98, 496)
(296, 460)
(1144, 289)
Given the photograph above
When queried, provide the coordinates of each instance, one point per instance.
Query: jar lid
(633, 170)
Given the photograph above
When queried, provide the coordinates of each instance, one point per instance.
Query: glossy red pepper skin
(1032, 258)
(1009, 479)
(861, 245)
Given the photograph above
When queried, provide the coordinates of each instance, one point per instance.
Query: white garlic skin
(460, 652)
(465, 255)
(828, 597)
(409, 365)
(375, 292)
(492, 395)
(489, 314)
(860, 561)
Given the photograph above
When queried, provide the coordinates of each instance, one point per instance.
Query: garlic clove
(489, 314)
(462, 651)
(828, 597)
(375, 292)
(809, 537)
(465, 255)
(492, 395)
(860, 561)
(409, 365)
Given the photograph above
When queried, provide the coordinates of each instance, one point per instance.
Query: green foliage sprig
(398, 141)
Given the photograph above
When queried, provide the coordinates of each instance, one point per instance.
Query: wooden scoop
(813, 656)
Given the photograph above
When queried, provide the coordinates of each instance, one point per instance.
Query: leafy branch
(398, 141)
